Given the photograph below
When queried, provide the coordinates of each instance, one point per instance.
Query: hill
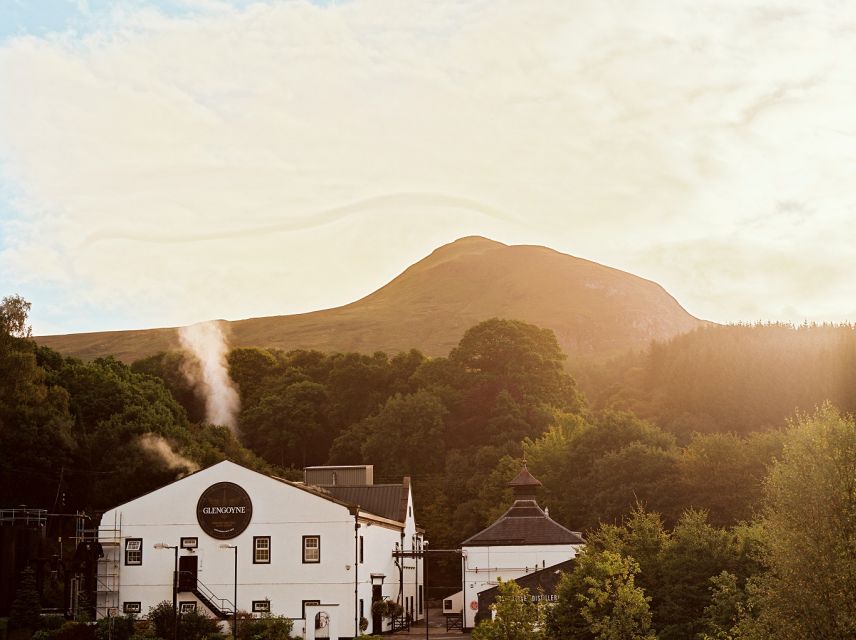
(595, 311)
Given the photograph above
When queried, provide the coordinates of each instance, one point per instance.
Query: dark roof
(524, 523)
(525, 479)
(384, 500)
(541, 583)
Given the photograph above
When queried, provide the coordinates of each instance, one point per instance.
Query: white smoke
(207, 345)
(160, 448)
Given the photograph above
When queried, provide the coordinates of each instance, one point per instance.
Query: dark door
(187, 569)
(377, 621)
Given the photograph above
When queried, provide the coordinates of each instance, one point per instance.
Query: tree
(808, 589)
(14, 311)
(407, 435)
(287, 424)
(693, 554)
(517, 617)
(36, 437)
(26, 608)
(599, 600)
(512, 376)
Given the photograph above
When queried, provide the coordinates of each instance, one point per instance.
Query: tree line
(731, 378)
(677, 441)
(787, 573)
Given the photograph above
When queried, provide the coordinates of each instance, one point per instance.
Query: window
(186, 606)
(133, 551)
(261, 606)
(362, 609)
(189, 543)
(447, 605)
(361, 549)
(303, 606)
(131, 607)
(419, 598)
(311, 549)
(261, 549)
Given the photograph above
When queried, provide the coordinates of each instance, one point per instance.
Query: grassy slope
(595, 311)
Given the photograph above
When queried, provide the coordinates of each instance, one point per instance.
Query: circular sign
(474, 605)
(224, 510)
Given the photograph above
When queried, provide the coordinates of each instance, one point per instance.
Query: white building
(523, 540)
(316, 554)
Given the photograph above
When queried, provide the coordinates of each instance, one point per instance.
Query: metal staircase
(222, 608)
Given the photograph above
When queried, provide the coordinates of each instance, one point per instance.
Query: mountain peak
(594, 310)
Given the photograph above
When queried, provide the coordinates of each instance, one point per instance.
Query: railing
(400, 623)
(28, 517)
(454, 621)
(222, 607)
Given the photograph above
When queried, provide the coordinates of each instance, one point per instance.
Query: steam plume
(207, 344)
(160, 448)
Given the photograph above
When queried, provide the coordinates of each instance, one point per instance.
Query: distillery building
(319, 552)
(523, 541)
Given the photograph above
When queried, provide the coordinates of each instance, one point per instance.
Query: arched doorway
(322, 625)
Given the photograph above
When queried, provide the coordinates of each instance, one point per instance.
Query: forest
(689, 466)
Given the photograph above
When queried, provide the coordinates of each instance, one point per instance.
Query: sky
(164, 163)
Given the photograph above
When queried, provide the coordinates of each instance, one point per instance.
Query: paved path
(436, 629)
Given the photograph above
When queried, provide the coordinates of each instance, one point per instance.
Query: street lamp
(235, 601)
(425, 580)
(162, 545)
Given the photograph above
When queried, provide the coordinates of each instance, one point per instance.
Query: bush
(75, 631)
(197, 626)
(116, 628)
(267, 627)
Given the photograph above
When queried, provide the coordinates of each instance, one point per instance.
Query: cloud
(234, 161)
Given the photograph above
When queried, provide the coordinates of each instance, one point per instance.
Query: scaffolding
(109, 537)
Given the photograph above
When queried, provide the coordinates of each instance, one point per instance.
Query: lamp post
(235, 601)
(162, 545)
(425, 580)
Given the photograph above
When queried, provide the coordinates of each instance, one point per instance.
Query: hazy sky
(168, 162)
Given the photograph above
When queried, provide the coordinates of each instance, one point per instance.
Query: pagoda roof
(525, 523)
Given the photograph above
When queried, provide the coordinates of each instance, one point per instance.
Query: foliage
(733, 378)
(14, 311)
(116, 628)
(600, 600)
(162, 618)
(26, 608)
(191, 626)
(265, 627)
(387, 609)
(516, 617)
(71, 431)
(808, 588)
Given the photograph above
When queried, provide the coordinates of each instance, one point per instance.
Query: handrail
(223, 604)
(25, 516)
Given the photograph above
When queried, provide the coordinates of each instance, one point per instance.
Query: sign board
(224, 510)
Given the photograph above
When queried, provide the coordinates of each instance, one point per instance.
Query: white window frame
(133, 552)
(132, 607)
(261, 606)
(311, 549)
(261, 550)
